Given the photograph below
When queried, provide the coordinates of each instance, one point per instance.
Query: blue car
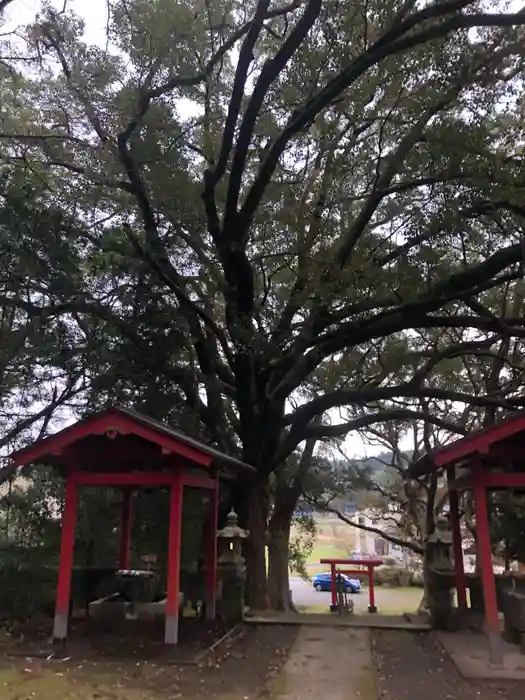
(323, 582)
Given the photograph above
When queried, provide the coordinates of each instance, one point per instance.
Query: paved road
(388, 600)
(303, 593)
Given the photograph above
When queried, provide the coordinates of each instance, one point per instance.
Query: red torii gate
(368, 569)
(123, 448)
(490, 459)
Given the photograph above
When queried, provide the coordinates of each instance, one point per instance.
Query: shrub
(29, 589)
(417, 579)
(390, 561)
(394, 577)
(25, 591)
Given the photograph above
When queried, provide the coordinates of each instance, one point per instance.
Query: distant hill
(376, 464)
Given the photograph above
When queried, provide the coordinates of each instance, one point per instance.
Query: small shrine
(122, 448)
(484, 461)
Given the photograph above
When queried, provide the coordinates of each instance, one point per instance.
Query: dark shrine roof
(509, 432)
(156, 432)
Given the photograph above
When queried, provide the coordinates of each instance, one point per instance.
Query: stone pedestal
(136, 586)
(440, 602)
(230, 604)
(440, 567)
(231, 571)
(514, 617)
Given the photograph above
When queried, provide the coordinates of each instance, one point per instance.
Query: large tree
(41, 370)
(302, 191)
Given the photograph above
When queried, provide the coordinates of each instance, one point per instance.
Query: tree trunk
(254, 511)
(425, 604)
(278, 566)
(507, 555)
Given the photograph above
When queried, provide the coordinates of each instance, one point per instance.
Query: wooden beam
(504, 453)
(153, 479)
(98, 425)
(490, 480)
(199, 482)
(478, 443)
(194, 455)
(353, 562)
(495, 480)
(54, 444)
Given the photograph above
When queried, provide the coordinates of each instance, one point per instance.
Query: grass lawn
(335, 540)
(389, 601)
(326, 550)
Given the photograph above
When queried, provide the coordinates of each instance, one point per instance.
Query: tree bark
(278, 569)
(254, 511)
(426, 602)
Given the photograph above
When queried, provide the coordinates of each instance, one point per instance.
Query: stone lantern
(439, 566)
(230, 541)
(439, 547)
(231, 569)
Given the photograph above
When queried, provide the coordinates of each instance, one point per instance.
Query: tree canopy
(273, 212)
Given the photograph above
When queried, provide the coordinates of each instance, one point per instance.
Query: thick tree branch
(399, 38)
(215, 60)
(395, 414)
(58, 399)
(302, 427)
(52, 37)
(246, 56)
(349, 397)
(270, 71)
(413, 314)
(4, 4)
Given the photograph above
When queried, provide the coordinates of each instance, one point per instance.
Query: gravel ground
(411, 666)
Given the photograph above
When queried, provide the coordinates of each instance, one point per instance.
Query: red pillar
(371, 592)
(124, 561)
(67, 546)
(211, 553)
(173, 569)
(333, 606)
(459, 570)
(492, 626)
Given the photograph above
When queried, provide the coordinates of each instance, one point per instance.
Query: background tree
(41, 369)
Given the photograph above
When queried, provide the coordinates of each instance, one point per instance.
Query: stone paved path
(331, 663)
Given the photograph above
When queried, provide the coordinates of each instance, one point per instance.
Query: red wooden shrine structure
(367, 568)
(491, 459)
(122, 448)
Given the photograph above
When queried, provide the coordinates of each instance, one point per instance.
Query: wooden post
(333, 607)
(173, 568)
(459, 569)
(211, 553)
(124, 561)
(372, 608)
(67, 547)
(492, 626)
